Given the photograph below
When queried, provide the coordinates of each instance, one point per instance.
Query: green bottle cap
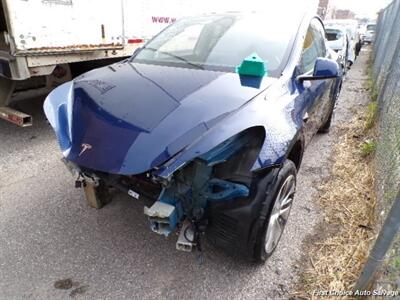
(253, 65)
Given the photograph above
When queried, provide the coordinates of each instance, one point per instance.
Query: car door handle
(305, 117)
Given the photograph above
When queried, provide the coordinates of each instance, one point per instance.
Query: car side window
(309, 54)
(313, 47)
(320, 37)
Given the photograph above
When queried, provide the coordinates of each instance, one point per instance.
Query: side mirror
(324, 68)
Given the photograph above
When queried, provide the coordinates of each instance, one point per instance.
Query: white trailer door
(43, 26)
(144, 19)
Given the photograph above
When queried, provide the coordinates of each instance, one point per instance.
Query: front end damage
(189, 153)
(208, 195)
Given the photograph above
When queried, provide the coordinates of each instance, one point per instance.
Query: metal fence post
(382, 245)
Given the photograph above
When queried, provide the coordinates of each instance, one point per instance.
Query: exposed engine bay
(181, 201)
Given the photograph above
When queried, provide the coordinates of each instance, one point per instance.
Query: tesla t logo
(84, 148)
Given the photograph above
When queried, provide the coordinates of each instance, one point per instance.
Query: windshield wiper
(174, 56)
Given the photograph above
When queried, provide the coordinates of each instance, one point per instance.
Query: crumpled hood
(128, 118)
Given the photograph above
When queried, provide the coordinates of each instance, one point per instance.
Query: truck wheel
(277, 205)
(97, 196)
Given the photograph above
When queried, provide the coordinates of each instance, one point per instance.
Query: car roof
(274, 18)
(284, 15)
(260, 7)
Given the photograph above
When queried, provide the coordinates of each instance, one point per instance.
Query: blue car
(206, 124)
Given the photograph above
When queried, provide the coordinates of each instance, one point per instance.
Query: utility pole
(382, 245)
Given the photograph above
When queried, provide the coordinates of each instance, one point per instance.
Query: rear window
(333, 35)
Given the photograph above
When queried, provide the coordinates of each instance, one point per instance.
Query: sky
(362, 7)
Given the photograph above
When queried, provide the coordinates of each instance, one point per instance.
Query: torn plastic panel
(221, 174)
(277, 120)
(58, 112)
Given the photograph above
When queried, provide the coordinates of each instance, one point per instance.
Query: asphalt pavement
(48, 233)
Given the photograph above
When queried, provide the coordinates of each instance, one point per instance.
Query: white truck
(44, 43)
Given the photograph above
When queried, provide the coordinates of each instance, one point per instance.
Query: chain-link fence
(386, 78)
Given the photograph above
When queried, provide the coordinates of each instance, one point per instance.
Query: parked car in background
(207, 122)
(354, 37)
(361, 31)
(338, 41)
(370, 33)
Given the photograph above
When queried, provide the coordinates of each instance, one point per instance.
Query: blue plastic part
(169, 196)
(227, 190)
(166, 196)
(172, 224)
(192, 191)
(226, 149)
(326, 68)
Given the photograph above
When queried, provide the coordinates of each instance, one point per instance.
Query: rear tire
(327, 125)
(275, 212)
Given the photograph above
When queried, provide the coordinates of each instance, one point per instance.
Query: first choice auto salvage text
(384, 293)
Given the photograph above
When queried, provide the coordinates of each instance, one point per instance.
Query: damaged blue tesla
(206, 124)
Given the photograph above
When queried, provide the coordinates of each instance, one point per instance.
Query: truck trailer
(44, 43)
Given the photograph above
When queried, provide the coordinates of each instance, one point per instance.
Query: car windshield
(371, 27)
(333, 35)
(221, 42)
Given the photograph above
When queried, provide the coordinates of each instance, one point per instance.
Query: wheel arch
(296, 151)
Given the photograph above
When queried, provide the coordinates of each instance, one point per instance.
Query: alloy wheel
(280, 213)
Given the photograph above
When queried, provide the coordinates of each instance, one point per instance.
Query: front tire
(277, 205)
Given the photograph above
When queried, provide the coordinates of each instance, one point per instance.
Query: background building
(344, 14)
(325, 9)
